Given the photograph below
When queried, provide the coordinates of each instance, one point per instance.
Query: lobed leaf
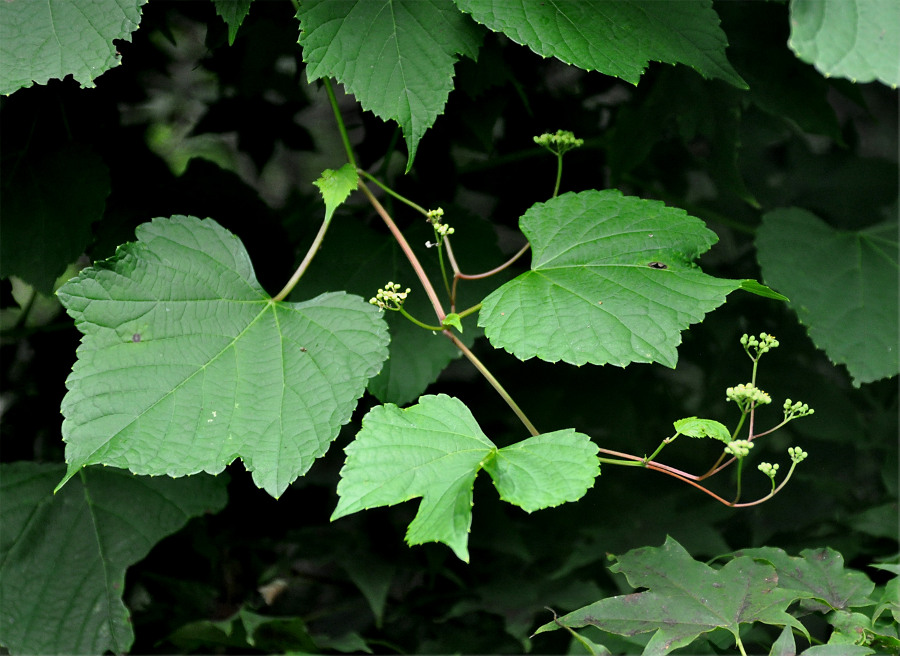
(694, 427)
(843, 285)
(855, 39)
(395, 56)
(434, 450)
(612, 280)
(50, 40)
(187, 364)
(63, 556)
(685, 599)
(615, 38)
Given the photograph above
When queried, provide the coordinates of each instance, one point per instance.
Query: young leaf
(44, 40)
(434, 450)
(335, 186)
(186, 363)
(612, 280)
(694, 427)
(63, 556)
(685, 599)
(395, 56)
(855, 39)
(843, 286)
(615, 38)
(233, 12)
(819, 572)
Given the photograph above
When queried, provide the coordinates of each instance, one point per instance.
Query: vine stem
(494, 382)
(310, 254)
(340, 122)
(418, 208)
(405, 247)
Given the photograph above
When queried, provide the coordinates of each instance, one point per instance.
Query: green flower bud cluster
(768, 469)
(390, 297)
(441, 230)
(763, 344)
(746, 394)
(797, 454)
(560, 142)
(739, 448)
(795, 410)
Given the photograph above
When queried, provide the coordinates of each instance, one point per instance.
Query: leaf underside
(612, 280)
(187, 364)
(434, 450)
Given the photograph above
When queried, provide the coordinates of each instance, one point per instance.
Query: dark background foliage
(724, 155)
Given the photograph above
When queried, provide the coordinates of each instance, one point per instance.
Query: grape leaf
(615, 38)
(855, 39)
(820, 572)
(233, 12)
(44, 40)
(395, 56)
(336, 186)
(75, 546)
(685, 599)
(48, 204)
(612, 280)
(434, 450)
(187, 364)
(694, 427)
(843, 286)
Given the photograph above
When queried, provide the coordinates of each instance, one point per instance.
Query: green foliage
(672, 127)
(616, 39)
(83, 539)
(596, 256)
(225, 372)
(842, 284)
(42, 41)
(434, 450)
(848, 38)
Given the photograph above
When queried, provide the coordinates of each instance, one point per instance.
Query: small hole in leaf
(136, 338)
(658, 265)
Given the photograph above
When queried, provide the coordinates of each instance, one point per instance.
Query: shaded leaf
(617, 39)
(686, 599)
(612, 280)
(819, 572)
(395, 56)
(434, 450)
(187, 364)
(50, 40)
(63, 556)
(855, 39)
(843, 286)
(48, 204)
(233, 12)
(336, 186)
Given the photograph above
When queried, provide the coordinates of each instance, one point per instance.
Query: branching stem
(493, 381)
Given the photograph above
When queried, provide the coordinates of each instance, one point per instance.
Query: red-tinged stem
(404, 246)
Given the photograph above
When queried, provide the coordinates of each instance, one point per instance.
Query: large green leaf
(63, 556)
(186, 363)
(48, 204)
(612, 280)
(685, 599)
(820, 572)
(56, 38)
(615, 38)
(855, 39)
(843, 286)
(434, 450)
(395, 56)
